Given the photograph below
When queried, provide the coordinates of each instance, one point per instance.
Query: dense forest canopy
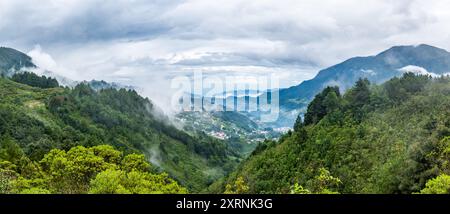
(37, 116)
(389, 138)
(34, 80)
(99, 169)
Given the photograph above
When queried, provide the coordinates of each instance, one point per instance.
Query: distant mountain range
(421, 59)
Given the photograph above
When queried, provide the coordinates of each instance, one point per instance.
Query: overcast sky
(141, 42)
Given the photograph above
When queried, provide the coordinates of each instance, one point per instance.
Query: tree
(135, 182)
(239, 187)
(299, 189)
(99, 170)
(325, 182)
(10, 150)
(70, 172)
(108, 182)
(399, 89)
(321, 184)
(35, 190)
(438, 185)
(109, 154)
(324, 103)
(34, 80)
(298, 123)
(359, 95)
(135, 162)
(6, 176)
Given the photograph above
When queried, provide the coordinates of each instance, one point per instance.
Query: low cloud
(146, 43)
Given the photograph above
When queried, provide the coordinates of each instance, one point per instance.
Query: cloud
(81, 20)
(417, 70)
(146, 43)
(46, 63)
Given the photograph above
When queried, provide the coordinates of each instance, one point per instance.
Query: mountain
(12, 60)
(421, 59)
(38, 117)
(388, 139)
(377, 69)
(101, 84)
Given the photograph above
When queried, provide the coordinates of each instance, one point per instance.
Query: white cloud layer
(144, 42)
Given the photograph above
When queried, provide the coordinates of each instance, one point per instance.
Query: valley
(347, 130)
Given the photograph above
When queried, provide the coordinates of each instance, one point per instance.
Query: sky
(147, 42)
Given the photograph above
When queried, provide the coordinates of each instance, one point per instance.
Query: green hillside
(389, 138)
(39, 120)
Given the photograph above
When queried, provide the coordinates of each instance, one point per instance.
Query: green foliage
(438, 185)
(9, 150)
(359, 95)
(299, 189)
(399, 89)
(135, 162)
(239, 187)
(95, 170)
(321, 184)
(70, 172)
(34, 80)
(35, 191)
(372, 141)
(357, 98)
(38, 120)
(109, 182)
(324, 103)
(6, 176)
(135, 182)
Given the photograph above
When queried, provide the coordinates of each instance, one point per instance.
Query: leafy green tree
(135, 182)
(358, 97)
(299, 189)
(372, 141)
(108, 153)
(325, 182)
(239, 187)
(400, 89)
(35, 191)
(34, 80)
(6, 177)
(438, 185)
(10, 150)
(39, 120)
(321, 184)
(70, 172)
(98, 170)
(324, 103)
(135, 162)
(109, 182)
(298, 123)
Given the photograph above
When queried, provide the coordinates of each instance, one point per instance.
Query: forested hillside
(36, 120)
(393, 62)
(389, 138)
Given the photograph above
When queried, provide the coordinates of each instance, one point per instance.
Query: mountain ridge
(12, 60)
(376, 68)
